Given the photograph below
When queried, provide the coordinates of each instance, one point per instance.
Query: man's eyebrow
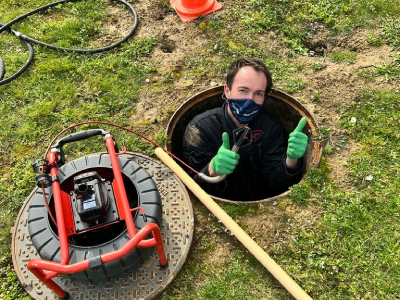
(246, 88)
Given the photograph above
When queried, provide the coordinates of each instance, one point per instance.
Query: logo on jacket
(257, 134)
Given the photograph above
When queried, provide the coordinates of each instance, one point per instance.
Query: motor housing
(91, 197)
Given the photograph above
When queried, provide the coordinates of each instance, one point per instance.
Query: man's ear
(227, 92)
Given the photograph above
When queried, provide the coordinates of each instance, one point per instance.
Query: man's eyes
(258, 94)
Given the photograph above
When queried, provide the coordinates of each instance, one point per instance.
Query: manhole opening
(286, 109)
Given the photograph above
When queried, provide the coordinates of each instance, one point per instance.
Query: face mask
(244, 110)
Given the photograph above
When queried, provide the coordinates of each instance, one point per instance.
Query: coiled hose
(29, 41)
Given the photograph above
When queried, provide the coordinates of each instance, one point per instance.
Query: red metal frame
(67, 213)
(45, 270)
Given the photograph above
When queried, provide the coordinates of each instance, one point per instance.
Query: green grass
(388, 71)
(9, 286)
(242, 272)
(373, 40)
(343, 57)
(295, 85)
(293, 18)
(350, 251)
(354, 251)
(391, 31)
(317, 66)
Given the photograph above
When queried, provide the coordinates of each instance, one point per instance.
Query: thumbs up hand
(226, 160)
(297, 144)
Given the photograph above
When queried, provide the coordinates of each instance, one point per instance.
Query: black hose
(28, 40)
(45, 7)
(2, 69)
(20, 71)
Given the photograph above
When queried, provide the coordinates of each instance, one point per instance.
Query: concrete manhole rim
(176, 205)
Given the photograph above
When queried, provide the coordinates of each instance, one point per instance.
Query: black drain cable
(28, 40)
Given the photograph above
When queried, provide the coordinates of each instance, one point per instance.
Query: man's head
(248, 83)
(257, 64)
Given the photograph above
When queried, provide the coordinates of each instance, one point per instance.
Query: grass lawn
(348, 249)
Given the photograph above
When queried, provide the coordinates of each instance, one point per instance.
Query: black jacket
(261, 172)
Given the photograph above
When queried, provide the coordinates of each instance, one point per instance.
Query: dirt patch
(337, 85)
(176, 40)
(272, 226)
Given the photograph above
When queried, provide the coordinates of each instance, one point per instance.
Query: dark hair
(256, 63)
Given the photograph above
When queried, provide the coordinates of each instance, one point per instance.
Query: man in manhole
(261, 163)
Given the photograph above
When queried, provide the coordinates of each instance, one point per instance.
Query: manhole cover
(149, 280)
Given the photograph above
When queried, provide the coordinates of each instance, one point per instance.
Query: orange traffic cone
(188, 10)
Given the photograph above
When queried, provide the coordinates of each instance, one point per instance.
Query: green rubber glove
(226, 160)
(297, 144)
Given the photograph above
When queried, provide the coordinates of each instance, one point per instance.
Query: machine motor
(94, 201)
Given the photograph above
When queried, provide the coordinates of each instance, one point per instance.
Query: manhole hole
(282, 106)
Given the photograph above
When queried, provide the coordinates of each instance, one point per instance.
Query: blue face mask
(244, 110)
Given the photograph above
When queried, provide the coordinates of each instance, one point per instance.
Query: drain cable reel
(94, 203)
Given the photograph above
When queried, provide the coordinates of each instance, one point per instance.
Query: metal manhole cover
(149, 280)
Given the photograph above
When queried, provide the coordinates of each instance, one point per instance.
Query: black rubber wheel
(141, 190)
